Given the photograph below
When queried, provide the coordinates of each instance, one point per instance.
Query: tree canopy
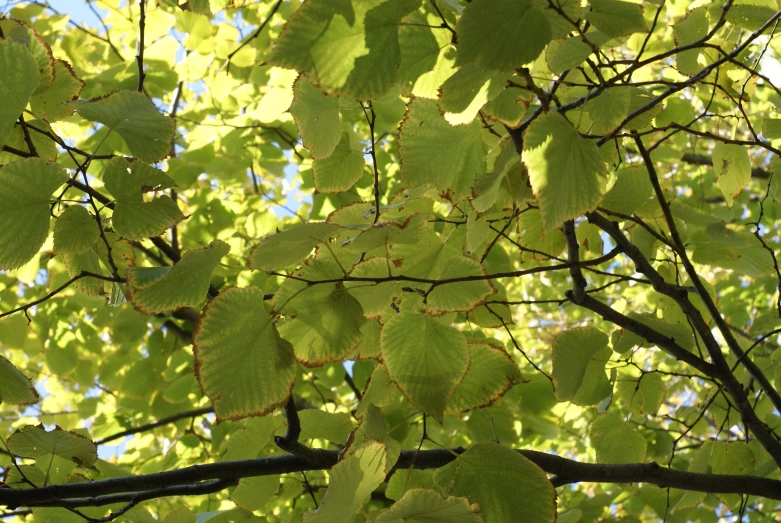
(325, 261)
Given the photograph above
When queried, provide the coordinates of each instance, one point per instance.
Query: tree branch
(188, 480)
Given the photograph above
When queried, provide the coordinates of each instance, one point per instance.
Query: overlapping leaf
(433, 151)
(242, 363)
(348, 47)
(508, 487)
(425, 358)
(565, 170)
(34, 442)
(26, 186)
(518, 29)
(155, 290)
(133, 217)
(147, 133)
(19, 80)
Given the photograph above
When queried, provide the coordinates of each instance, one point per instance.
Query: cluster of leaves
(390, 260)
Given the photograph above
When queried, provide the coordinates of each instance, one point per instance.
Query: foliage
(390, 260)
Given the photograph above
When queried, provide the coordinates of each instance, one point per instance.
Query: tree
(390, 260)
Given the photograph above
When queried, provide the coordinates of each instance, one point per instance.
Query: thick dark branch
(713, 349)
(188, 480)
(573, 254)
(644, 331)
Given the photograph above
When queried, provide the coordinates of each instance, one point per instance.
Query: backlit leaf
(340, 170)
(20, 78)
(317, 117)
(508, 487)
(352, 481)
(154, 290)
(576, 353)
(617, 441)
(147, 133)
(426, 506)
(242, 363)
(290, 246)
(34, 442)
(349, 48)
(15, 387)
(733, 169)
(518, 29)
(133, 217)
(433, 151)
(426, 359)
(565, 170)
(75, 231)
(616, 17)
(26, 186)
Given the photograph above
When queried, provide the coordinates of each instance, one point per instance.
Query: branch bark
(186, 481)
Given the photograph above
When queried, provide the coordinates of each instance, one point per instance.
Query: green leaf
(331, 426)
(508, 487)
(508, 108)
(751, 14)
(562, 55)
(86, 261)
(470, 87)
(433, 151)
(492, 372)
(352, 481)
(289, 247)
(426, 506)
(380, 391)
(75, 231)
(35, 442)
(616, 18)
(181, 515)
(374, 299)
(638, 99)
(737, 251)
(133, 217)
(15, 387)
(425, 358)
(19, 80)
(691, 28)
(341, 170)
(347, 47)
(26, 186)
(517, 30)
(631, 190)
(771, 128)
(155, 290)
(644, 396)
(147, 134)
(317, 117)
(242, 364)
(327, 320)
(459, 296)
(51, 104)
(732, 166)
(575, 352)
(255, 493)
(565, 170)
(427, 55)
(616, 441)
(609, 109)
